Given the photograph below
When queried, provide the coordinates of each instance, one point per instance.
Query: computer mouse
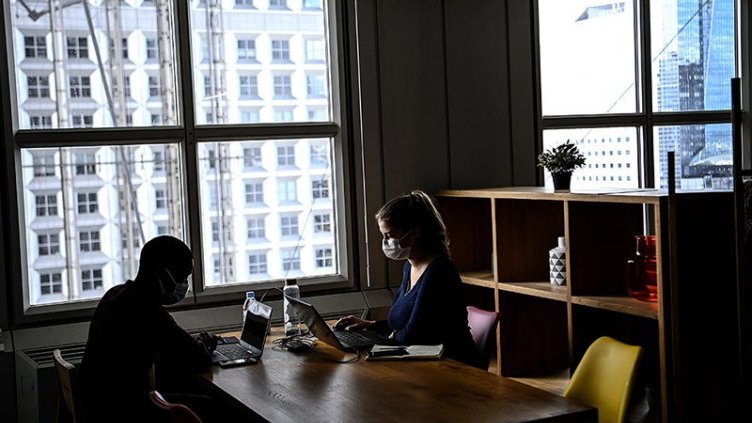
(298, 346)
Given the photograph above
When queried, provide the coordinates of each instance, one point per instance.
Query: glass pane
(587, 57)
(117, 72)
(267, 210)
(88, 211)
(260, 62)
(610, 156)
(693, 54)
(703, 156)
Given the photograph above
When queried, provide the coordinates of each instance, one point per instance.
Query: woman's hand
(352, 323)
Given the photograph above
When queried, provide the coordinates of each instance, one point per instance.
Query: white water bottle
(292, 323)
(250, 298)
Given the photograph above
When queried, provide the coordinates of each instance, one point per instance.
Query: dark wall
(447, 101)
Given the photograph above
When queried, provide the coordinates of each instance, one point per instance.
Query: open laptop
(340, 339)
(232, 351)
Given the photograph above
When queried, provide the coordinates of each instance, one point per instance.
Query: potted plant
(561, 161)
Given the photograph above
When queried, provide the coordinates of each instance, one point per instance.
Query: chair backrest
(179, 412)
(605, 376)
(482, 324)
(67, 378)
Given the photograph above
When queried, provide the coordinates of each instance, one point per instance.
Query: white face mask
(169, 298)
(393, 250)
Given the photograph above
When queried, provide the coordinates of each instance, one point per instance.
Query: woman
(429, 307)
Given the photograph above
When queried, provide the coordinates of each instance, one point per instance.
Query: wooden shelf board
(613, 195)
(624, 304)
(484, 278)
(555, 383)
(536, 289)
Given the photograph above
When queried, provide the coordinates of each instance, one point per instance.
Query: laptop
(338, 338)
(232, 351)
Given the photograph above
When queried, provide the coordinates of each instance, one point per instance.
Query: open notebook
(411, 352)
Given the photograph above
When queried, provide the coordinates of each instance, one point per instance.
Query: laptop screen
(254, 332)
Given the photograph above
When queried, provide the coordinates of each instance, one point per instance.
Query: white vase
(557, 263)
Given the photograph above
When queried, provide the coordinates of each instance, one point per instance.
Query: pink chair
(179, 412)
(482, 324)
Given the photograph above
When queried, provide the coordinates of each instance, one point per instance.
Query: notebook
(411, 352)
(232, 351)
(340, 339)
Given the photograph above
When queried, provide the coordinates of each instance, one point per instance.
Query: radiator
(36, 381)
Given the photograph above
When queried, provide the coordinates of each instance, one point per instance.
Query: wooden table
(310, 387)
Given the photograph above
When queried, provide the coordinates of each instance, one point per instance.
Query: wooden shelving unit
(500, 239)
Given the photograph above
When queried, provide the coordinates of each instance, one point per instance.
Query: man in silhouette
(131, 328)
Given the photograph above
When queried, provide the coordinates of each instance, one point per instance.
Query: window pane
(87, 212)
(587, 57)
(261, 220)
(693, 54)
(610, 156)
(703, 156)
(58, 60)
(260, 65)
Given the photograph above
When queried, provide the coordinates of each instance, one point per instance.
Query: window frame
(645, 119)
(187, 134)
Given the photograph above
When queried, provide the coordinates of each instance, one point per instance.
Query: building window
(286, 155)
(290, 260)
(215, 230)
(248, 86)
(78, 48)
(288, 191)
(251, 157)
(86, 164)
(282, 86)
(123, 43)
(314, 51)
(278, 5)
(152, 49)
(154, 86)
(88, 241)
(283, 115)
(156, 118)
(35, 47)
(40, 121)
(50, 283)
(49, 244)
(46, 205)
(91, 279)
(288, 225)
(312, 4)
(80, 86)
(315, 86)
(44, 165)
(319, 155)
(160, 199)
(256, 228)
(246, 50)
(38, 86)
(87, 202)
(280, 51)
(322, 223)
(82, 121)
(244, 4)
(159, 165)
(162, 230)
(254, 193)
(257, 263)
(324, 257)
(249, 116)
(320, 189)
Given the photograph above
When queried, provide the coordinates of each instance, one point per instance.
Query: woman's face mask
(393, 249)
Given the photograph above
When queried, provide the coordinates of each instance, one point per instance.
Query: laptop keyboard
(233, 351)
(353, 339)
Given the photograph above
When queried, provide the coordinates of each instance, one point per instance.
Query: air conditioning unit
(36, 382)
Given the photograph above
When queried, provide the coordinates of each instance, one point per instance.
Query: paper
(411, 352)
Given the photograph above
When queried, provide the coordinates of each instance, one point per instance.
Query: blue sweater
(434, 312)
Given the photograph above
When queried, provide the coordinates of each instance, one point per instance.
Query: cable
(282, 344)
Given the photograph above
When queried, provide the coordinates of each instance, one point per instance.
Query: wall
(447, 101)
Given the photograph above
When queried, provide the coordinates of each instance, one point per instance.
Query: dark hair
(417, 210)
(166, 251)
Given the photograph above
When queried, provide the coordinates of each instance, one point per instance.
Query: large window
(92, 198)
(626, 102)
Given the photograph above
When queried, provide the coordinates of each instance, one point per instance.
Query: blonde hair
(417, 210)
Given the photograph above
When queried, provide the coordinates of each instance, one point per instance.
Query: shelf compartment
(482, 278)
(619, 304)
(526, 230)
(469, 228)
(536, 289)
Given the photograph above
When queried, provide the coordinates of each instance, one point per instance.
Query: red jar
(642, 277)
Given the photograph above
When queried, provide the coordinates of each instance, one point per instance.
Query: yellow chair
(604, 378)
